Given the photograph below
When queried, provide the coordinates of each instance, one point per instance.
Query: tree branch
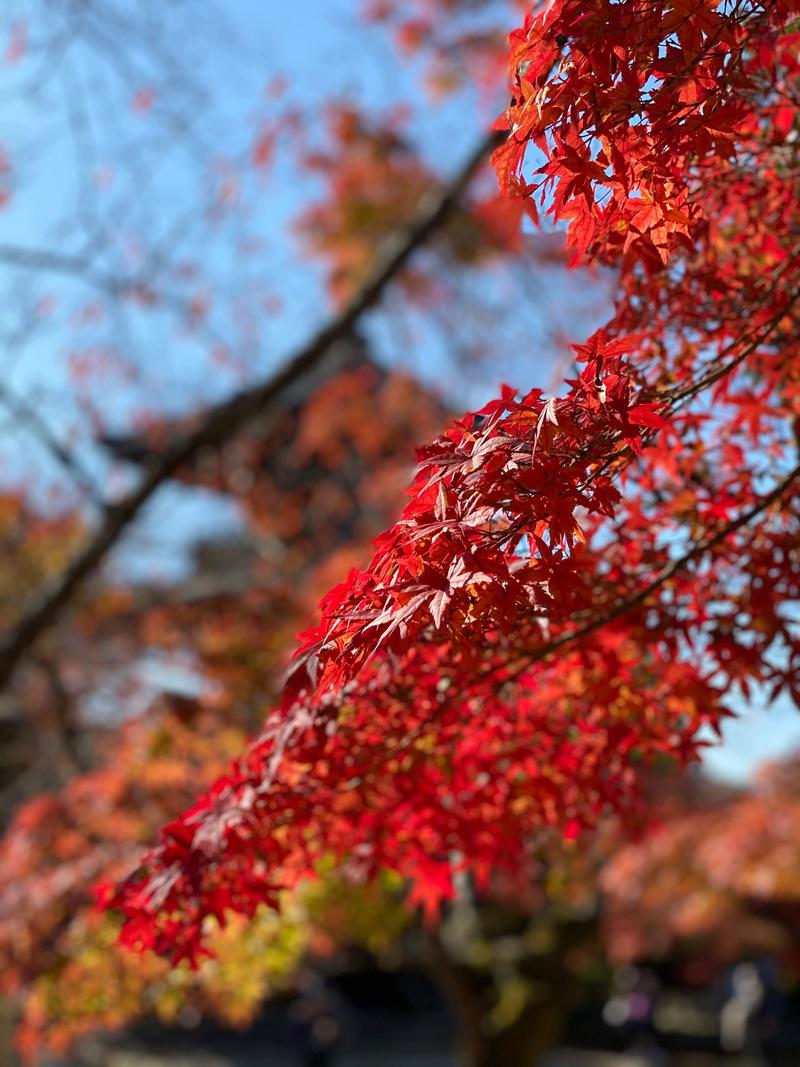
(29, 416)
(219, 423)
(622, 607)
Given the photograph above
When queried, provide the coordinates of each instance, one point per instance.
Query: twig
(38, 427)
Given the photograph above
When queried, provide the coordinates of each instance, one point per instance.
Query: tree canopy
(577, 581)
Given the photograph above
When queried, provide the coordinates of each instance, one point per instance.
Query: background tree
(334, 461)
(715, 883)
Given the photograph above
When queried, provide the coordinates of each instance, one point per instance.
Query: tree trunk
(539, 1024)
(523, 1044)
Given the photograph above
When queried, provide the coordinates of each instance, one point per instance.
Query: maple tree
(580, 582)
(577, 582)
(55, 946)
(376, 180)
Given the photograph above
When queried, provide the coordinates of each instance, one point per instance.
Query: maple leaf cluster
(48, 853)
(579, 583)
(638, 108)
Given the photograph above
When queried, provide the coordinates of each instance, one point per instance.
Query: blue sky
(323, 51)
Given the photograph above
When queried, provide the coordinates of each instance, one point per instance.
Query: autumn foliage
(577, 582)
(715, 881)
(580, 585)
(375, 183)
(332, 465)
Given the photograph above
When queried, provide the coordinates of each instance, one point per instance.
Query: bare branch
(24, 413)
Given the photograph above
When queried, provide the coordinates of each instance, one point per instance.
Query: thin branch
(756, 337)
(76, 266)
(623, 607)
(219, 423)
(81, 268)
(36, 425)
